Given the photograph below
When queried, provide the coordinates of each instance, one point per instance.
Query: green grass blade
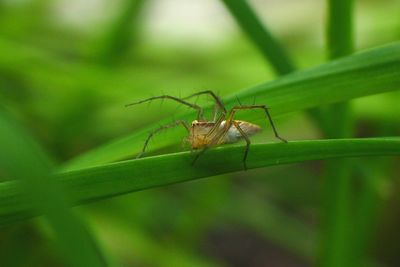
(23, 160)
(371, 72)
(121, 34)
(336, 234)
(369, 203)
(260, 35)
(113, 179)
(337, 241)
(340, 28)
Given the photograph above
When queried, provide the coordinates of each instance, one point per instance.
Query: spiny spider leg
(194, 106)
(263, 107)
(216, 125)
(215, 110)
(217, 100)
(175, 123)
(246, 138)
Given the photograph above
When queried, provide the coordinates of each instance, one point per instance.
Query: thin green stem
(118, 37)
(336, 248)
(368, 201)
(340, 38)
(260, 36)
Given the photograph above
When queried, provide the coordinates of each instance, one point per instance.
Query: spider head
(198, 133)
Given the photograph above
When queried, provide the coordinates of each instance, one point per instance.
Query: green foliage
(24, 161)
(68, 88)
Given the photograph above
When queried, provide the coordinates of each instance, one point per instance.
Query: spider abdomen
(234, 134)
(204, 133)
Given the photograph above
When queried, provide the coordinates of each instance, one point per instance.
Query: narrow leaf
(113, 179)
(23, 160)
(260, 35)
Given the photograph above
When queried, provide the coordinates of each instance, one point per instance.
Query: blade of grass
(116, 40)
(340, 28)
(22, 159)
(260, 35)
(373, 178)
(371, 72)
(113, 179)
(337, 241)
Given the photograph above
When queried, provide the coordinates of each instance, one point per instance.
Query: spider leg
(246, 138)
(199, 154)
(179, 100)
(217, 124)
(238, 100)
(215, 110)
(273, 126)
(263, 107)
(218, 102)
(151, 134)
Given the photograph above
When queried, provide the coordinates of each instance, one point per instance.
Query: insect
(222, 129)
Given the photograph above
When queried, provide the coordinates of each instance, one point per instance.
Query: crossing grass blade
(260, 36)
(337, 247)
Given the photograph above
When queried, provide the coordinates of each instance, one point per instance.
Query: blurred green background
(67, 68)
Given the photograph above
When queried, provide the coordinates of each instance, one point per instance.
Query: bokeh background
(67, 68)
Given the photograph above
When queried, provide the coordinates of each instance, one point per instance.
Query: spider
(223, 129)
